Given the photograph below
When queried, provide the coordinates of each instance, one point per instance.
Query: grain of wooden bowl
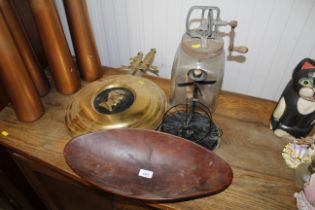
(147, 165)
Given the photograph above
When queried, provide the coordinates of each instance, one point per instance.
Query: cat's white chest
(305, 107)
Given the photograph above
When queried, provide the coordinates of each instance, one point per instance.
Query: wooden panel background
(278, 34)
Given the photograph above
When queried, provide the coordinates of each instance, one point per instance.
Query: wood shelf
(261, 179)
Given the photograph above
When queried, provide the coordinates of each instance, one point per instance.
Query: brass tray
(147, 165)
(116, 102)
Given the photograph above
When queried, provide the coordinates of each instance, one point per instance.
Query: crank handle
(233, 23)
(240, 49)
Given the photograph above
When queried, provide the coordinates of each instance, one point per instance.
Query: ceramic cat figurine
(294, 115)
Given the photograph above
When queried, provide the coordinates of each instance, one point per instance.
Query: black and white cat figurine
(294, 115)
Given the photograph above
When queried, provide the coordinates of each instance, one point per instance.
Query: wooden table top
(261, 179)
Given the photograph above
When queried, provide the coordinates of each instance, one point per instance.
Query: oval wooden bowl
(147, 165)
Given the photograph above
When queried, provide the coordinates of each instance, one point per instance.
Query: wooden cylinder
(16, 79)
(28, 55)
(59, 58)
(4, 99)
(23, 11)
(83, 39)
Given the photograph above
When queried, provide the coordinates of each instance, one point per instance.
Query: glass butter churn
(202, 49)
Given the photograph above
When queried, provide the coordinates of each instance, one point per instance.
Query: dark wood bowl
(147, 165)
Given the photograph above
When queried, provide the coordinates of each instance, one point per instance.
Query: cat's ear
(307, 65)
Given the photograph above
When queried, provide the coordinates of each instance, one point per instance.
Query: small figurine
(146, 64)
(134, 64)
(193, 120)
(138, 66)
(295, 112)
(295, 154)
(306, 198)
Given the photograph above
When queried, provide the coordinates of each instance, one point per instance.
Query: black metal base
(200, 129)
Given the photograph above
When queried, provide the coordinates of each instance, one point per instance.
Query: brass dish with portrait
(116, 102)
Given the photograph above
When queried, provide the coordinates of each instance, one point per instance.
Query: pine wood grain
(261, 179)
(249, 190)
